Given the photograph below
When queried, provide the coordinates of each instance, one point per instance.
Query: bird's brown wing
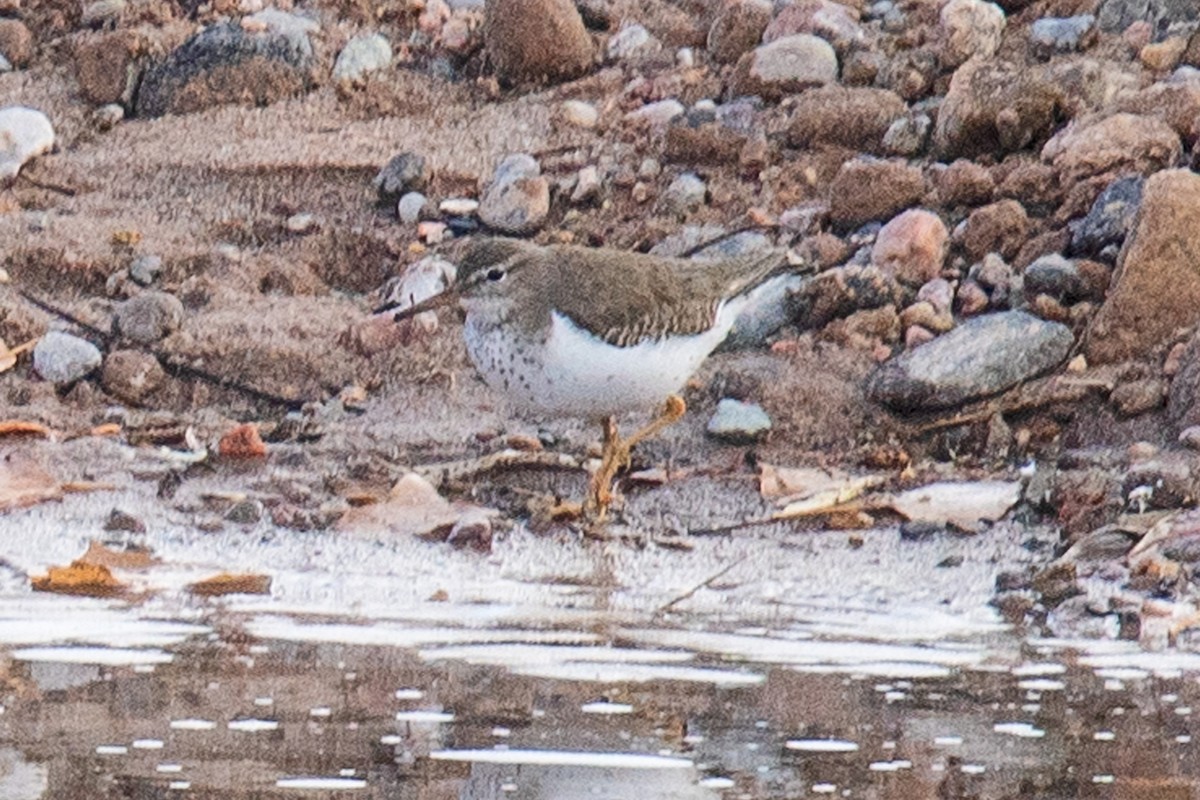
(628, 298)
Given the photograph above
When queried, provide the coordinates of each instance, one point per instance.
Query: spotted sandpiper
(596, 332)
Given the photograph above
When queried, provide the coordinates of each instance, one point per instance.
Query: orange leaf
(229, 583)
(14, 426)
(242, 442)
(81, 578)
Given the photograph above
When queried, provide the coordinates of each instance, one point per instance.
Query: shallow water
(271, 705)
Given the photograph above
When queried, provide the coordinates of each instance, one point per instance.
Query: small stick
(50, 187)
(703, 584)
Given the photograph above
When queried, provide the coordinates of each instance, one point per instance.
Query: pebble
(657, 114)
(964, 183)
(404, 172)
(1189, 437)
(1163, 56)
(579, 113)
(736, 422)
(517, 33)
(247, 512)
(632, 41)
(971, 299)
(587, 186)
(518, 199)
(982, 356)
(144, 270)
(24, 134)
(301, 223)
(686, 193)
(969, 28)
(1156, 290)
(108, 116)
(685, 58)
(1109, 220)
(1000, 227)
(5, 65)
(785, 66)
(1056, 276)
(1062, 34)
(64, 359)
(16, 43)
(908, 136)
(365, 53)
(150, 316)
(411, 207)
(102, 12)
(1137, 397)
(737, 29)
(458, 206)
(131, 375)
(912, 246)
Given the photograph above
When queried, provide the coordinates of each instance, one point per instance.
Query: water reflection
(630, 713)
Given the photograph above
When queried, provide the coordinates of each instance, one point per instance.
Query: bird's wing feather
(659, 295)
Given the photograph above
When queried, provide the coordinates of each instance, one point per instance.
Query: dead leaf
(797, 483)
(80, 578)
(9, 427)
(961, 504)
(231, 583)
(8, 357)
(412, 508)
(23, 483)
(242, 442)
(99, 555)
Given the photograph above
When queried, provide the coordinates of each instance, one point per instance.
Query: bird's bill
(428, 304)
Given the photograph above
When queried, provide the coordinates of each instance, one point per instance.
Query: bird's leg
(599, 496)
(673, 411)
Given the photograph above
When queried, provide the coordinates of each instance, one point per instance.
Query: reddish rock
(536, 40)
(106, 65)
(16, 42)
(1052, 241)
(1033, 184)
(965, 183)
(912, 247)
(1157, 284)
(242, 442)
(1001, 227)
(1125, 142)
(1163, 56)
(1177, 104)
(856, 118)
(737, 29)
(995, 107)
(867, 189)
(970, 299)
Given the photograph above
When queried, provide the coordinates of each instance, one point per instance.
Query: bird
(595, 332)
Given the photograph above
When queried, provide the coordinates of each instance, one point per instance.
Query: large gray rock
(267, 58)
(981, 357)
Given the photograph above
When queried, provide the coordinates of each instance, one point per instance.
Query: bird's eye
(496, 274)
